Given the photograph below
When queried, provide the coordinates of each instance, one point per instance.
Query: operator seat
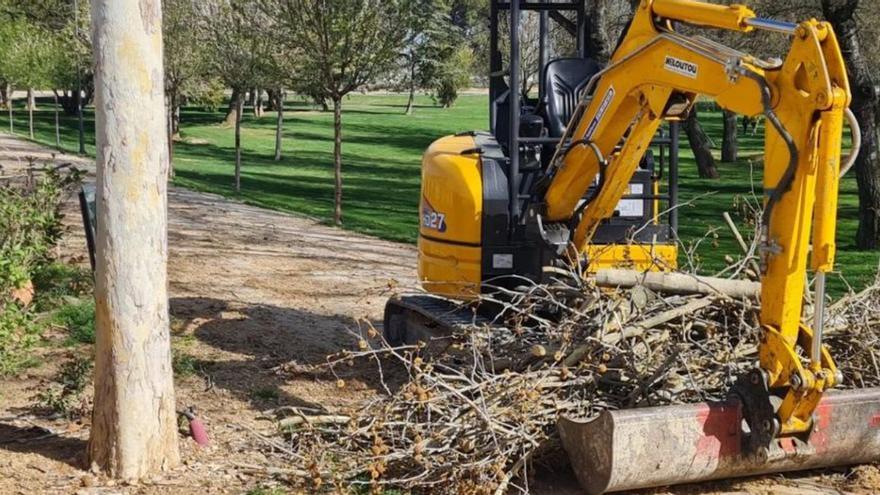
(565, 80)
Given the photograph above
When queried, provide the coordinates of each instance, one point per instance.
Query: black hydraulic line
(785, 182)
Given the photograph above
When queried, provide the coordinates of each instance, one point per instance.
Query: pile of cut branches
(472, 418)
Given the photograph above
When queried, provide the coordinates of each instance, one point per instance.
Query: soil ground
(252, 289)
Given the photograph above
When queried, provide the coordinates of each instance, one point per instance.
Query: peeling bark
(134, 423)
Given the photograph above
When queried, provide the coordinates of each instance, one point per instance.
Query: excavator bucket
(668, 445)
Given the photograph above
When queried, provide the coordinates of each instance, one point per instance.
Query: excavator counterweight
(569, 181)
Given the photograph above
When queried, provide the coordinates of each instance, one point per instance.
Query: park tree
(185, 67)
(344, 46)
(729, 143)
(425, 48)
(134, 426)
(237, 52)
(30, 64)
(853, 21)
(701, 145)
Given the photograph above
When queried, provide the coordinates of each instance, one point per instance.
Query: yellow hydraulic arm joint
(657, 73)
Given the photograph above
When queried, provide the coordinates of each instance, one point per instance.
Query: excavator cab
(478, 208)
(568, 181)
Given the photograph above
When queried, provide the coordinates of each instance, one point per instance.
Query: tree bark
(134, 423)
(233, 109)
(701, 146)
(57, 121)
(258, 103)
(31, 99)
(279, 123)
(729, 144)
(238, 112)
(169, 129)
(80, 124)
(337, 158)
(11, 116)
(412, 87)
(30, 108)
(866, 106)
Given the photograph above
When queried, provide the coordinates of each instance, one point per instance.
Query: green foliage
(79, 320)
(31, 227)
(18, 334)
(56, 283)
(454, 75)
(183, 364)
(65, 395)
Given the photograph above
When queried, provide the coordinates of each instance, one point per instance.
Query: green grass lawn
(381, 160)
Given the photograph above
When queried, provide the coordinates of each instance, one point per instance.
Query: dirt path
(250, 289)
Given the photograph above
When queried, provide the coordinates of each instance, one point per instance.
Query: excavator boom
(657, 74)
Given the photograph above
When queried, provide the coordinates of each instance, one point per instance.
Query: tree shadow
(35, 440)
(266, 348)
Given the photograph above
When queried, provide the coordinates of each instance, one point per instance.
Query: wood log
(678, 283)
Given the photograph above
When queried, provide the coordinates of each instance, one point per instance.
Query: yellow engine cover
(451, 212)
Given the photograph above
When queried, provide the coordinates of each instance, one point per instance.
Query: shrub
(65, 395)
(30, 229)
(79, 320)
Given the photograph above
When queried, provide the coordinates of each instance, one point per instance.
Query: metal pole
(494, 63)
(543, 51)
(513, 151)
(818, 319)
(674, 128)
(79, 99)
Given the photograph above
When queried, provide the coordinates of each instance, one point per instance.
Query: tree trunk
(4, 94)
(258, 103)
(80, 123)
(11, 117)
(238, 112)
(598, 45)
(337, 158)
(410, 102)
(134, 423)
(234, 106)
(729, 144)
(31, 99)
(169, 129)
(57, 121)
(866, 106)
(279, 123)
(30, 108)
(701, 146)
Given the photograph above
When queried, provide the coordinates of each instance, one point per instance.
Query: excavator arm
(657, 73)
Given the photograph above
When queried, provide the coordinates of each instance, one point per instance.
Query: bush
(79, 320)
(31, 226)
(30, 229)
(56, 283)
(18, 333)
(65, 396)
(454, 75)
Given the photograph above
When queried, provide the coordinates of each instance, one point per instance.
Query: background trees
(344, 45)
(237, 52)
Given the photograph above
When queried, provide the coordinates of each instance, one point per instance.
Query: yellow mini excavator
(562, 181)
